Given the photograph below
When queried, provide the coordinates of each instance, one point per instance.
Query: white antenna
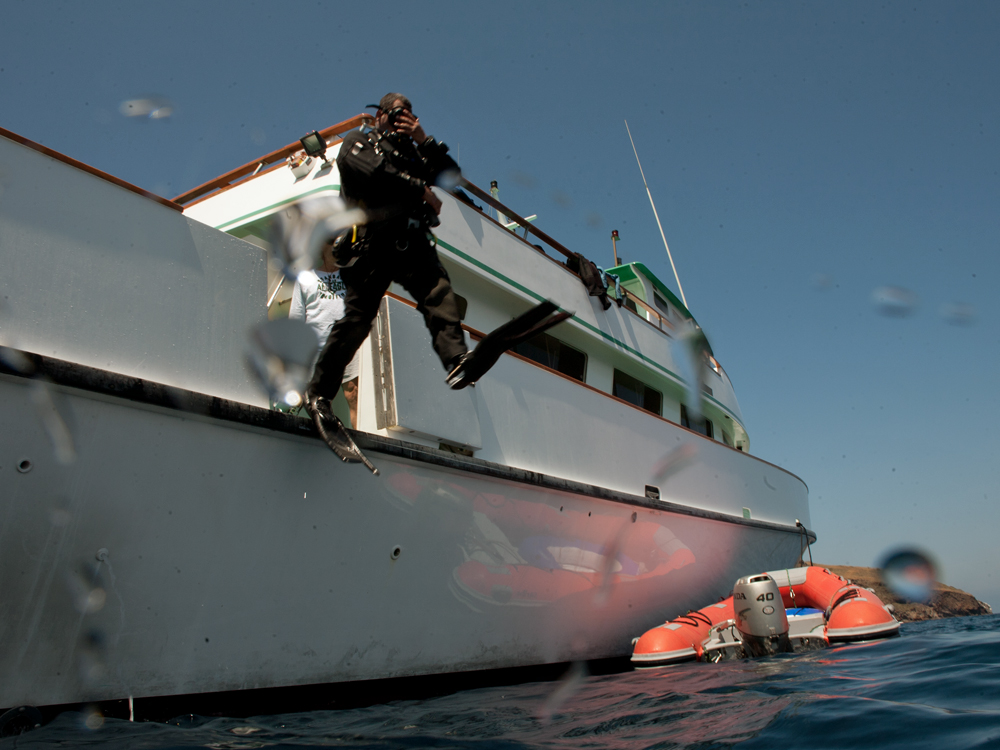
(679, 287)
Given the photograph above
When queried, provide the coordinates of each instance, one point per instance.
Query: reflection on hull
(520, 553)
(183, 553)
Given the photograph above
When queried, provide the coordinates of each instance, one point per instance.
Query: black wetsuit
(386, 175)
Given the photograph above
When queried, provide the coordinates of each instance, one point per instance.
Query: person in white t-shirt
(318, 299)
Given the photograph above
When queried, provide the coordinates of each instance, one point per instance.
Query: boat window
(636, 392)
(686, 422)
(662, 304)
(630, 304)
(549, 351)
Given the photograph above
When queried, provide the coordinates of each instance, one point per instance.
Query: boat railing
(653, 316)
(272, 159)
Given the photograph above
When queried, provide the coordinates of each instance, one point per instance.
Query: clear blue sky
(802, 155)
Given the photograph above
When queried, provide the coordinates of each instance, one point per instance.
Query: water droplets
(692, 360)
(609, 567)
(910, 574)
(303, 229)
(523, 179)
(280, 355)
(49, 407)
(148, 107)
(822, 281)
(449, 179)
(675, 460)
(60, 516)
(92, 718)
(568, 685)
(87, 597)
(16, 360)
(895, 301)
(958, 314)
(55, 424)
(561, 199)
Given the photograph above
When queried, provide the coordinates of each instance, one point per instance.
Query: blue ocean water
(936, 686)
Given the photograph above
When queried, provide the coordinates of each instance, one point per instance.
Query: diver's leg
(426, 280)
(366, 282)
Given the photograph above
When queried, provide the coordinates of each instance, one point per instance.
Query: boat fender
(760, 615)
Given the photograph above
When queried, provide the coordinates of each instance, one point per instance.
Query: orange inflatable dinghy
(815, 605)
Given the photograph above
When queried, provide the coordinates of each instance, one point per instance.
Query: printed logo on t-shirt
(330, 285)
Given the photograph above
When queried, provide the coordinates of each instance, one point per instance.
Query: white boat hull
(183, 553)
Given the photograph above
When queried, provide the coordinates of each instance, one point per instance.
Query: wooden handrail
(525, 224)
(660, 317)
(529, 227)
(87, 168)
(249, 168)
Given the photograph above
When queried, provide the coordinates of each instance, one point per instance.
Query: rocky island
(946, 602)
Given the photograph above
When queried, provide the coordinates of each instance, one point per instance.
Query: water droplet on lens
(566, 688)
(593, 220)
(674, 461)
(10, 356)
(60, 517)
(910, 574)
(894, 301)
(822, 281)
(958, 314)
(449, 179)
(280, 354)
(300, 232)
(92, 718)
(16, 360)
(87, 597)
(610, 565)
(151, 107)
(53, 421)
(561, 199)
(692, 361)
(523, 179)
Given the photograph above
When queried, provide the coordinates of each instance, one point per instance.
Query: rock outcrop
(946, 602)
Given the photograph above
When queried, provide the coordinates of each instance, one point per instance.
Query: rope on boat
(693, 617)
(807, 546)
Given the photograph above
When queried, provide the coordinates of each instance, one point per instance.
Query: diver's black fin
(477, 363)
(334, 434)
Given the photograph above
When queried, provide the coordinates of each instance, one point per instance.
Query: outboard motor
(760, 616)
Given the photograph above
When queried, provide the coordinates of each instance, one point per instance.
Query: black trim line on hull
(332, 696)
(95, 380)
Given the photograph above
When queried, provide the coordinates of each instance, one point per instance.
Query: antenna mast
(678, 278)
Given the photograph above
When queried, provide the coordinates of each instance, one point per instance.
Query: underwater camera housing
(393, 115)
(760, 615)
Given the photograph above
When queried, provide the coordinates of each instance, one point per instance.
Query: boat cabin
(631, 352)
